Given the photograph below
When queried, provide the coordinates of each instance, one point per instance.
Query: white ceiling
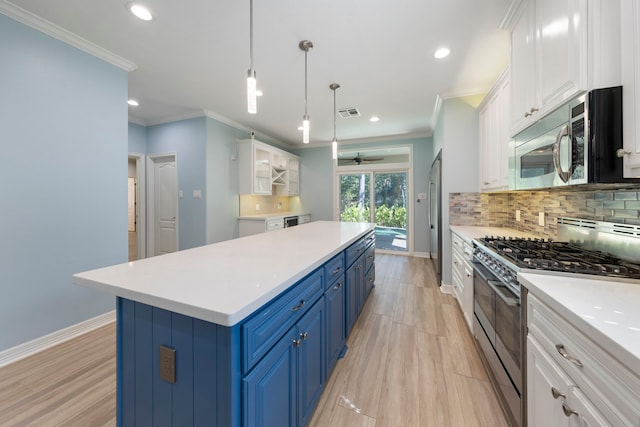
(193, 58)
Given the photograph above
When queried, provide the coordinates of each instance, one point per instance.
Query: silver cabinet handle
(298, 306)
(564, 354)
(620, 152)
(527, 114)
(370, 257)
(297, 343)
(533, 110)
(568, 411)
(337, 286)
(336, 270)
(556, 394)
(304, 335)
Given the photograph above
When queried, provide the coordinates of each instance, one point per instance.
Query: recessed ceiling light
(374, 119)
(441, 53)
(140, 11)
(133, 102)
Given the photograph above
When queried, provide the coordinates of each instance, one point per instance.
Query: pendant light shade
(305, 45)
(334, 142)
(252, 103)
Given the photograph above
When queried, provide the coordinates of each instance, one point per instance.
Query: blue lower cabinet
(285, 386)
(311, 369)
(269, 391)
(334, 303)
(355, 279)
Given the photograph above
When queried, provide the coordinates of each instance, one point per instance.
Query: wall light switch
(518, 215)
(180, 195)
(257, 206)
(541, 218)
(197, 194)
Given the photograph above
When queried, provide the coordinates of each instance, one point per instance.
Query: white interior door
(165, 205)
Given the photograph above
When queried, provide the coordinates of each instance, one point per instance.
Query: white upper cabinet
(548, 57)
(493, 117)
(266, 170)
(631, 86)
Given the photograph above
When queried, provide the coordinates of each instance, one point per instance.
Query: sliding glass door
(385, 203)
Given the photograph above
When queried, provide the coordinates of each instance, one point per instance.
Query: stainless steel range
(587, 248)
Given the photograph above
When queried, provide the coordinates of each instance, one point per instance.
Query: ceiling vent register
(346, 113)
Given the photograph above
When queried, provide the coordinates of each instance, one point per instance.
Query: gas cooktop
(541, 254)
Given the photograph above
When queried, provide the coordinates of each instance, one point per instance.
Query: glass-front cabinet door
(261, 170)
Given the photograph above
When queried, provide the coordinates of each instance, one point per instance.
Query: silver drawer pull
(337, 286)
(336, 270)
(564, 354)
(568, 411)
(370, 257)
(298, 306)
(556, 394)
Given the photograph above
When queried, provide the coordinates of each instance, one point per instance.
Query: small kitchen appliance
(579, 143)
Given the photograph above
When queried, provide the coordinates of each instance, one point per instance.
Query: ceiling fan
(358, 159)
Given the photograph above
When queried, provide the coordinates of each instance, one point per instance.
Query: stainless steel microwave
(579, 143)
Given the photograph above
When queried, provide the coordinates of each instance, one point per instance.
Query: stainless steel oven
(497, 318)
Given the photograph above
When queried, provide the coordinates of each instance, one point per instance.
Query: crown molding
(259, 135)
(34, 21)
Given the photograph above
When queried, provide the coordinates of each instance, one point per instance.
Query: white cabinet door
(549, 47)
(581, 412)
(631, 84)
(561, 40)
(494, 138)
(522, 68)
(261, 170)
(294, 177)
(547, 388)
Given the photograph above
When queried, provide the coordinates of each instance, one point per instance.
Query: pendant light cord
(251, 35)
(305, 82)
(334, 113)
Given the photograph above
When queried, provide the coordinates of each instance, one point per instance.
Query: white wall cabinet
(631, 85)
(266, 170)
(462, 275)
(493, 117)
(571, 380)
(549, 45)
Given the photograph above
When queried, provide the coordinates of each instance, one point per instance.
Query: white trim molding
(422, 254)
(37, 345)
(36, 22)
(446, 289)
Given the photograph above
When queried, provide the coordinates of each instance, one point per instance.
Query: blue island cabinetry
(268, 370)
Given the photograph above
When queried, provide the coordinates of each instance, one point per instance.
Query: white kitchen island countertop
(608, 312)
(225, 282)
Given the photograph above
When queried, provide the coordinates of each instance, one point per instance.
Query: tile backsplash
(268, 204)
(499, 209)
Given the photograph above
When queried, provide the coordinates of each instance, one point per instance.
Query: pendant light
(305, 45)
(252, 103)
(334, 142)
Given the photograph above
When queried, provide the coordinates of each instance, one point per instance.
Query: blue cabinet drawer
(333, 269)
(369, 257)
(354, 251)
(370, 239)
(264, 328)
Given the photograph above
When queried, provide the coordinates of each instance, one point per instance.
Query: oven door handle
(511, 302)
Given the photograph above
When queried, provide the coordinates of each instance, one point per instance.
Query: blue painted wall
(186, 138)
(137, 138)
(316, 183)
(63, 129)
(222, 180)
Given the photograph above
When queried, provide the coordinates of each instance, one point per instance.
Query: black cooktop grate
(543, 254)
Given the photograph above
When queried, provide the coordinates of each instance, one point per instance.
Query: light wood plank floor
(411, 362)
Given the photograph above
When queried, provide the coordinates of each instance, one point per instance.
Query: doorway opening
(377, 191)
(136, 207)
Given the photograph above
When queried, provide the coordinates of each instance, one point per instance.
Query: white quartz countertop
(225, 282)
(607, 312)
(469, 233)
(263, 217)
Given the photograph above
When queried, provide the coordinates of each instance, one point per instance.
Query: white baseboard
(446, 289)
(37, 345)
(421, 254)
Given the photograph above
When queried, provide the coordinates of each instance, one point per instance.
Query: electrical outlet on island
(541, 218)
